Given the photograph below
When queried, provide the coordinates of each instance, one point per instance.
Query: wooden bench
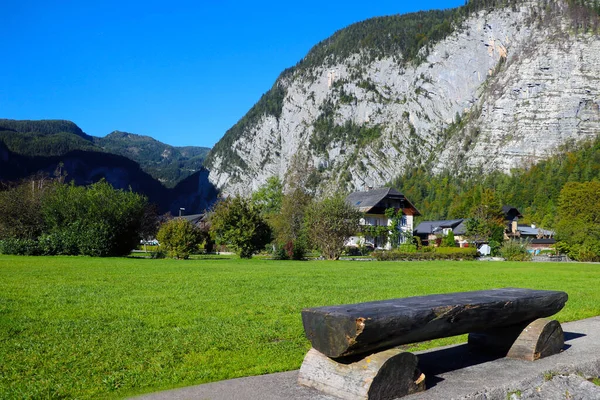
(355, 354)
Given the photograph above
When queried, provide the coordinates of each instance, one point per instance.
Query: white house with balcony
(373, 204)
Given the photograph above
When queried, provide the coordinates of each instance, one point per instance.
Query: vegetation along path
(76, 327)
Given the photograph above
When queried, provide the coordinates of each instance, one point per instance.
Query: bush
(407, 248)
(158, 254)
(238, 223)
(448, 240)
(448, 253)
(22, 247)
(515, 250)
(59, 243)
(179, 238)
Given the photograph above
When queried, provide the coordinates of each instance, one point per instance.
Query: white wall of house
(379, 220)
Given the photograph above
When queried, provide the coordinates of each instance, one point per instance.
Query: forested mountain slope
(166, 163)
(169, 164)
(490, 86)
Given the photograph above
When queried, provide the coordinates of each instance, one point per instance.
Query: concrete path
(452, 373)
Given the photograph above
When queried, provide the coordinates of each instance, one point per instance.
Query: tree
(448, 240)
(578, 220)
(179, 238)
(288, 224)
(238, 223)
(396, 234)
(268, 197)
(20, 210)
(329, 223)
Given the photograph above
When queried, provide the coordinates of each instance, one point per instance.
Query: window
(403, 221)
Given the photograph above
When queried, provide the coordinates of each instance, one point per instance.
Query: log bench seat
(355, 354)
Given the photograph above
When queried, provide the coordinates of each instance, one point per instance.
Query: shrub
(238, 223)
(178, 237)
(515, 250)
(407, 248)
(22, 247)
(96, 220)
(448, 240)
(158, 254)
(448, 253)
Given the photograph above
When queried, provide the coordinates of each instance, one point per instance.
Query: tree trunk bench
(354, 354)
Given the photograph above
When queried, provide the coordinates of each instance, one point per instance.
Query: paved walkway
(452, 373)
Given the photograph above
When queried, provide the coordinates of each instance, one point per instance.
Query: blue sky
(181, 72)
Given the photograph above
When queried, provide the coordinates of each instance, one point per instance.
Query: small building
(430, 231)
(373, 204)
(511, 219)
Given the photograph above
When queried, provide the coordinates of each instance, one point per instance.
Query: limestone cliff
(506, 86)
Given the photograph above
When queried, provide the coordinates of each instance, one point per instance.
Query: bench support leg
(541, 338)
(381, 376)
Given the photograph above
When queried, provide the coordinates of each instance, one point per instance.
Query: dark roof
(507, 209)
(194, 218)
(365, 201)
(543, 241)
(527, 230)
(427, 227)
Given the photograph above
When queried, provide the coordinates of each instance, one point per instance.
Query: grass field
(74, 327)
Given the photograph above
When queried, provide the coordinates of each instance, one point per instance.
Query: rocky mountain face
(503, 88)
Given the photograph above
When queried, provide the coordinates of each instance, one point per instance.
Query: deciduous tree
(237, 222)
(329, 223)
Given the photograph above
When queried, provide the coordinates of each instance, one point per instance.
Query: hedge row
(446, 254)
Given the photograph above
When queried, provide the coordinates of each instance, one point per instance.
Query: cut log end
(538, 339)
(383, 376)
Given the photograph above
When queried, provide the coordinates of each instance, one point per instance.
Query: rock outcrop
(505, 88)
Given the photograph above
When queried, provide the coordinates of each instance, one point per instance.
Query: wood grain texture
(541, 338)
(538, 339)
(345, 330)
(381, 376)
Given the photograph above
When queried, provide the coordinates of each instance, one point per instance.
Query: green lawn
(74, 327)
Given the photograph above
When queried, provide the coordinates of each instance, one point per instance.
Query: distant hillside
(166, 163)
(43, 138)
(195, 193)
(47, 138)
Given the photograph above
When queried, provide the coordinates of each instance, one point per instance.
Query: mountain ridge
(504, 85)
(169, 164)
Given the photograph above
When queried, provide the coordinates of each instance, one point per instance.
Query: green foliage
(18, 246)
(578, 220)
(237, 222)
(179, 238)
(96, 220)
(168, 164)
(448, 240)
(396, 234)
(288, 225)
(410, 253)
(268, 197)
(533, 190)
(326, 131)
(487, 221)
(515, 250)
(329, 223)
(20, 210)
(44, 138)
